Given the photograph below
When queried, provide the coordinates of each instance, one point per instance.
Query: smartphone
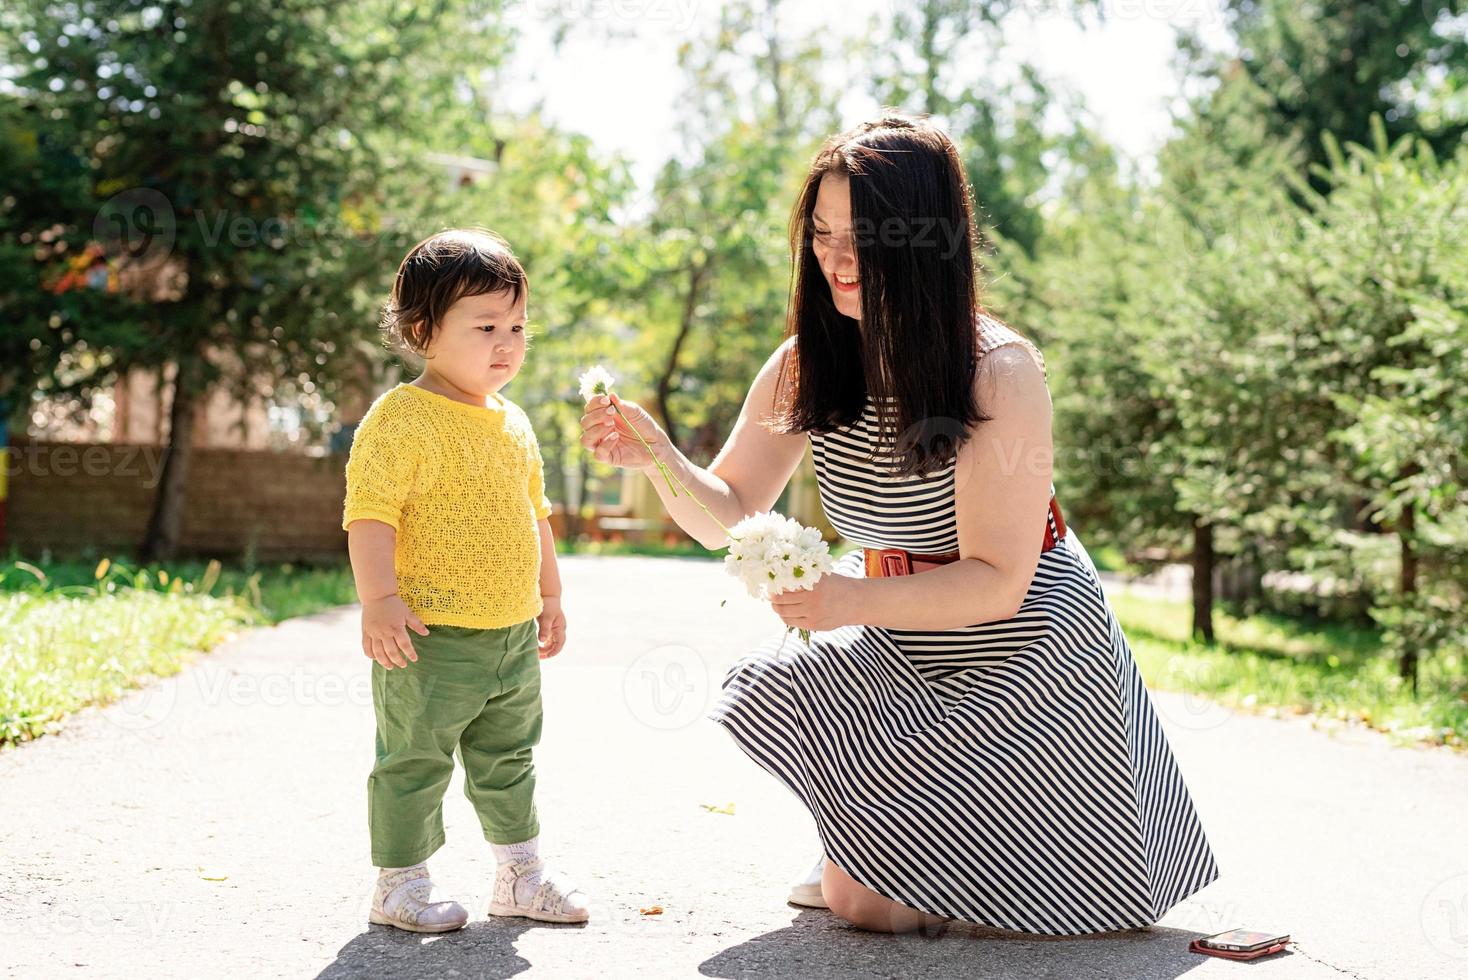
(1243, 940)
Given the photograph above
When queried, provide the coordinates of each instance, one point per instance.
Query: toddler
(449, 534)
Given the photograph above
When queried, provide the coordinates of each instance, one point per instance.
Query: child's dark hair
(437, 273)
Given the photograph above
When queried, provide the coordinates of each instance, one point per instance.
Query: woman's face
(832, 244)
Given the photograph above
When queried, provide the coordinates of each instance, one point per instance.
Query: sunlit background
(1234, 228)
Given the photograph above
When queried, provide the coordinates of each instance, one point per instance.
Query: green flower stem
(663, 468)
(668, 476)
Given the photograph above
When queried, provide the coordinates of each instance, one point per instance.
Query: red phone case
(1231, 955)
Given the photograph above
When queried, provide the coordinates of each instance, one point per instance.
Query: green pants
(474, 691)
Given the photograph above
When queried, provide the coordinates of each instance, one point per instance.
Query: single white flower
(596, 381)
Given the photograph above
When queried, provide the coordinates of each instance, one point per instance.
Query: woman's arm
(1002, 494)
(746, 476)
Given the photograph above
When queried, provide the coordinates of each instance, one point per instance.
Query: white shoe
(806, 891)
(555, 900)
(408, 899)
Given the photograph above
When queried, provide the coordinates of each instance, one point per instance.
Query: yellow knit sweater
(463, 486)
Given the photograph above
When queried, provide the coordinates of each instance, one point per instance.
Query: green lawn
(79, 633)
(1275, 664)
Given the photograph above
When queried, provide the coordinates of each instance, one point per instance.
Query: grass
(275, 591)
(69, 645)
(78, 633)
(1274, 664)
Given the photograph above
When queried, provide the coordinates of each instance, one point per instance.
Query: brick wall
(80, 497)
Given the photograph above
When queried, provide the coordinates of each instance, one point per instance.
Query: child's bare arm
(386, 618)
(552, 620)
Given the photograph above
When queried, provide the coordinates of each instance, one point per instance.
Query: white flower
(595, 381)
(771, 554)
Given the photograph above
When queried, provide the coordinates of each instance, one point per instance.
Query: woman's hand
(552, 626)
(385, 624)
(830, 603)
(610, 440)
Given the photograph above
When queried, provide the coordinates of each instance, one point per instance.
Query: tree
(713, 251)
(1326, 66)
(1082, 295)
(939, 57)
(240, 160)
(1382, 280)
(33, 174)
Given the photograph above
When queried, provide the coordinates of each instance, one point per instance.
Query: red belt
(882, 562)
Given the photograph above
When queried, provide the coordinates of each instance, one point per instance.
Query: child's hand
(384, 636)
(552, 627)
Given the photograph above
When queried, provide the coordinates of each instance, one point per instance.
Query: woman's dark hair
(915, 348)
(437, 273)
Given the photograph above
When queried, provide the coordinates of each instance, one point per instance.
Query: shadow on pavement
(818, 944)
(483, 948)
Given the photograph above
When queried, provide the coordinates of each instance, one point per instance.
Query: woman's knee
(865, 909)
(854, 902)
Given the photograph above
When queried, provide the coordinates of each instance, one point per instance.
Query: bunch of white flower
(771, 554)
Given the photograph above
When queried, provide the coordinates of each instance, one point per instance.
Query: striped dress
(1011, 773)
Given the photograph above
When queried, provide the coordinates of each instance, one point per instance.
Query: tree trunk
(1407, 585)
(1203, 581)
(696, 273)
(161, 539)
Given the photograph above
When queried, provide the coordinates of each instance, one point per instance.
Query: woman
(968, 726)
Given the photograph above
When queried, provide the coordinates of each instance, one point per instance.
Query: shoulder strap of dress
(993, 334)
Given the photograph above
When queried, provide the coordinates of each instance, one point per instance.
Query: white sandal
(806, 891)
(548, 904)
(406, 898)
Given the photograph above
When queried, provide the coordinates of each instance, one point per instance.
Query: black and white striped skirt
(1011, 774)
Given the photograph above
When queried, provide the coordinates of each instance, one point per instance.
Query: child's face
(480, 344)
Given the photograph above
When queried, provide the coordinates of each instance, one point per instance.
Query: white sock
(527, 850)
(384, 872)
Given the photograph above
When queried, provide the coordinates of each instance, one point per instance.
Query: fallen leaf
(652, 910)
(200, 869)
(726, 808)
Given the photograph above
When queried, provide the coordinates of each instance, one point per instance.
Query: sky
(622, 56)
